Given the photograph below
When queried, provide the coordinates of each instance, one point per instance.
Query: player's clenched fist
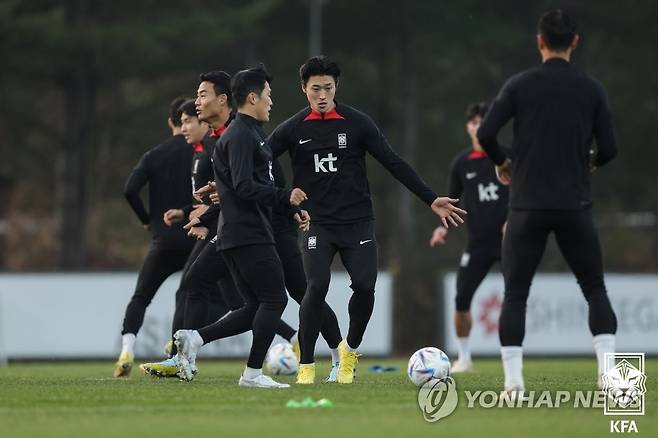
(297, 196)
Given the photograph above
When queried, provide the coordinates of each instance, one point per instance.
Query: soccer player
(242, 163)
(166, 169)
(557, 110)
(327, 143)
(473, 180)
(200, 301)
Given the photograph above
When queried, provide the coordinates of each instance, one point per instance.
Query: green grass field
(80, 399)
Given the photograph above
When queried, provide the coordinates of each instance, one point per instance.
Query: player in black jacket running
(558, 110)
(166, 169)
(243, 171)
(473, 180)
(327, 143)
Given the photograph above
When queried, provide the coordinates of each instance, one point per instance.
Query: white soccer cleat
(459, 366)
(188, 347)
(261, 381)
(333, 374)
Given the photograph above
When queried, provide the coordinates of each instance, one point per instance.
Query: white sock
(464, 349)
(294, 338)
(335, 356)
(513, 366)
(348, 348)
(251, 373)
(603, 344)
(128, 343)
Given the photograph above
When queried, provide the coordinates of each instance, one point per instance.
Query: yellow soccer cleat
(297, 350)
(169, 345)
(124, 365)
(348, 361)
(166, 368)
(306, 374)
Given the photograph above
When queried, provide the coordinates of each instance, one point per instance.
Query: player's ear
(252, 98)
(540, 43)
(303, 87)
(574, 43)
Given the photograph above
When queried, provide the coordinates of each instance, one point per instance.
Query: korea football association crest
(342, 141)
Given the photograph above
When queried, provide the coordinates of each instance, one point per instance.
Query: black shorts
(474, 266)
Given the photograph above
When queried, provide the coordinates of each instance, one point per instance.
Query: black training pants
(357, 247)
(162, 260)
(523, 247)
(258, 275)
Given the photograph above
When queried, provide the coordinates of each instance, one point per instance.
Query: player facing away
(557, 110)
(166, 169)
(242, 163)
(473, 180)
(327, 142)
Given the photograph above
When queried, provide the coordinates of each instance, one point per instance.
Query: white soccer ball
(281, 359)
(426, 364)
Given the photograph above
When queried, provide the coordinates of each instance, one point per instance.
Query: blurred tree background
(85, 86)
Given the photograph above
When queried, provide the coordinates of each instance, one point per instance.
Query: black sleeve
(455, 187)
(280, 181)
(502, 109)
(241, 159)
(377, 145)
(279, 141)
(187, 210)
(211, 215)
(136, 181)
(603, 131)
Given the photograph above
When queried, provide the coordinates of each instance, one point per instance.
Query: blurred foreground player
(557, 110)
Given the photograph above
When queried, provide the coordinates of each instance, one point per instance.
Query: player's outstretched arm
(449, 213)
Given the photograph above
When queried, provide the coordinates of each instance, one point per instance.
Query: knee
(592, 287)
(276, 302)
(363, 285)
(318, 286)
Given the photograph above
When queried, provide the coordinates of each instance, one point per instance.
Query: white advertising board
(556, 321)
(59, 316)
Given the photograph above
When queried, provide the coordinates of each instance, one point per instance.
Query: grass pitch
(82, 400)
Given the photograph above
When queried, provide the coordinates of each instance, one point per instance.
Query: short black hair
(188, 107)
(221, 82)
(319, 66)
(476, 109)
(251, 80)
(557, 29)
(174, 110)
